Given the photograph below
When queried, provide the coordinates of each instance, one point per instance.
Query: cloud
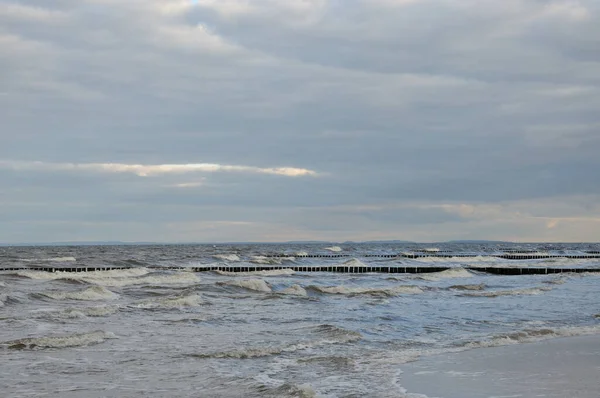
(152, 170)
(426, 119)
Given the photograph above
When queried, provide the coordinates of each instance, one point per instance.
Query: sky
(279, 120)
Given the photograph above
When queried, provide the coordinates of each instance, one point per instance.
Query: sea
(150, 330)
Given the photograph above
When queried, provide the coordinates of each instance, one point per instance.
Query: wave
(480, 286)
(301, 254)
(52, 259)
(334, 249)
(354, 262)
(117, 273)
(93, 293)
(70, 340)
(270, 260)
(513, 292)
(227, 257)
(156, 280)
(250, 284)
(331, 335)
(274, 272)
(80, 312)
(280, 389)
(533, 335)
(115, 278)
(449, 273)
(186, 300)
(383, 291)
(557, 281)
(294, 290)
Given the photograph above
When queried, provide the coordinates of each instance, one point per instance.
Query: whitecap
(512, 292)
(227, 257)
(270, 260)
(354, 262)
(274, 272)
(188, 300)
(115, 273)
(294, 290)
(70, 340)
(383, 291)
(447, 274)
(534, 335)
(258, 285)
(53, 259)
(334, 249)
(92, 293)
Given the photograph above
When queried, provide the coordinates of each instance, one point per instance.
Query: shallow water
(147, 331)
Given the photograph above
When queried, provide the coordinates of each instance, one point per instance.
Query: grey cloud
(456, 101)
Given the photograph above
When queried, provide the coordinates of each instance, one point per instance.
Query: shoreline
(554, 368)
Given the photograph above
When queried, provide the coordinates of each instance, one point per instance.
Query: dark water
(153, 332)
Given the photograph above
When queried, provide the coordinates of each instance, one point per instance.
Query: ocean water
(151, 331)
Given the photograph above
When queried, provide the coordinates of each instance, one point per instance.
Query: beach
(556, 368)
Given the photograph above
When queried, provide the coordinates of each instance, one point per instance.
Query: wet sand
(559, 368)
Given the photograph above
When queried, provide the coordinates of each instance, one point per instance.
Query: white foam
(301, 254)
(534, 335)
(189, 300)
(274, 272)
(513, 292)
(270, 260)
(227, 257)
(294, 290)
(333, 335)
(449, 273)
(354, 263)
(90, 294)
(334, 249)
(83, 312)
(258, 285)
(117, 273)
(54, 259)
(72, 340)
(180, 278)
(386, 291)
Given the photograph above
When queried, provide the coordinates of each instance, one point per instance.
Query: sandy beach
(557, 368)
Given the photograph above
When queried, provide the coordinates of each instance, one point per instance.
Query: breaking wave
(117, 273)
(71, 340)
(294, 290)
(186, 300)
(250, 284)
(90, 294)
(274, 272)
(53, 259)
(384, 291)
(533, 335)
(158, 280)
(449, 273)
(334, 249)
(227, 257)
(513, 292)
(354, 263)
(331, 335)
(115, 278)
(81, 312)
(480, 286)
(270, 260)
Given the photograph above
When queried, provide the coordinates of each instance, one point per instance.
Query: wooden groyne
(326, 268)
(417, 255)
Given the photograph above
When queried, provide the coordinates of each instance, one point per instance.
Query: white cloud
(157, 169)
